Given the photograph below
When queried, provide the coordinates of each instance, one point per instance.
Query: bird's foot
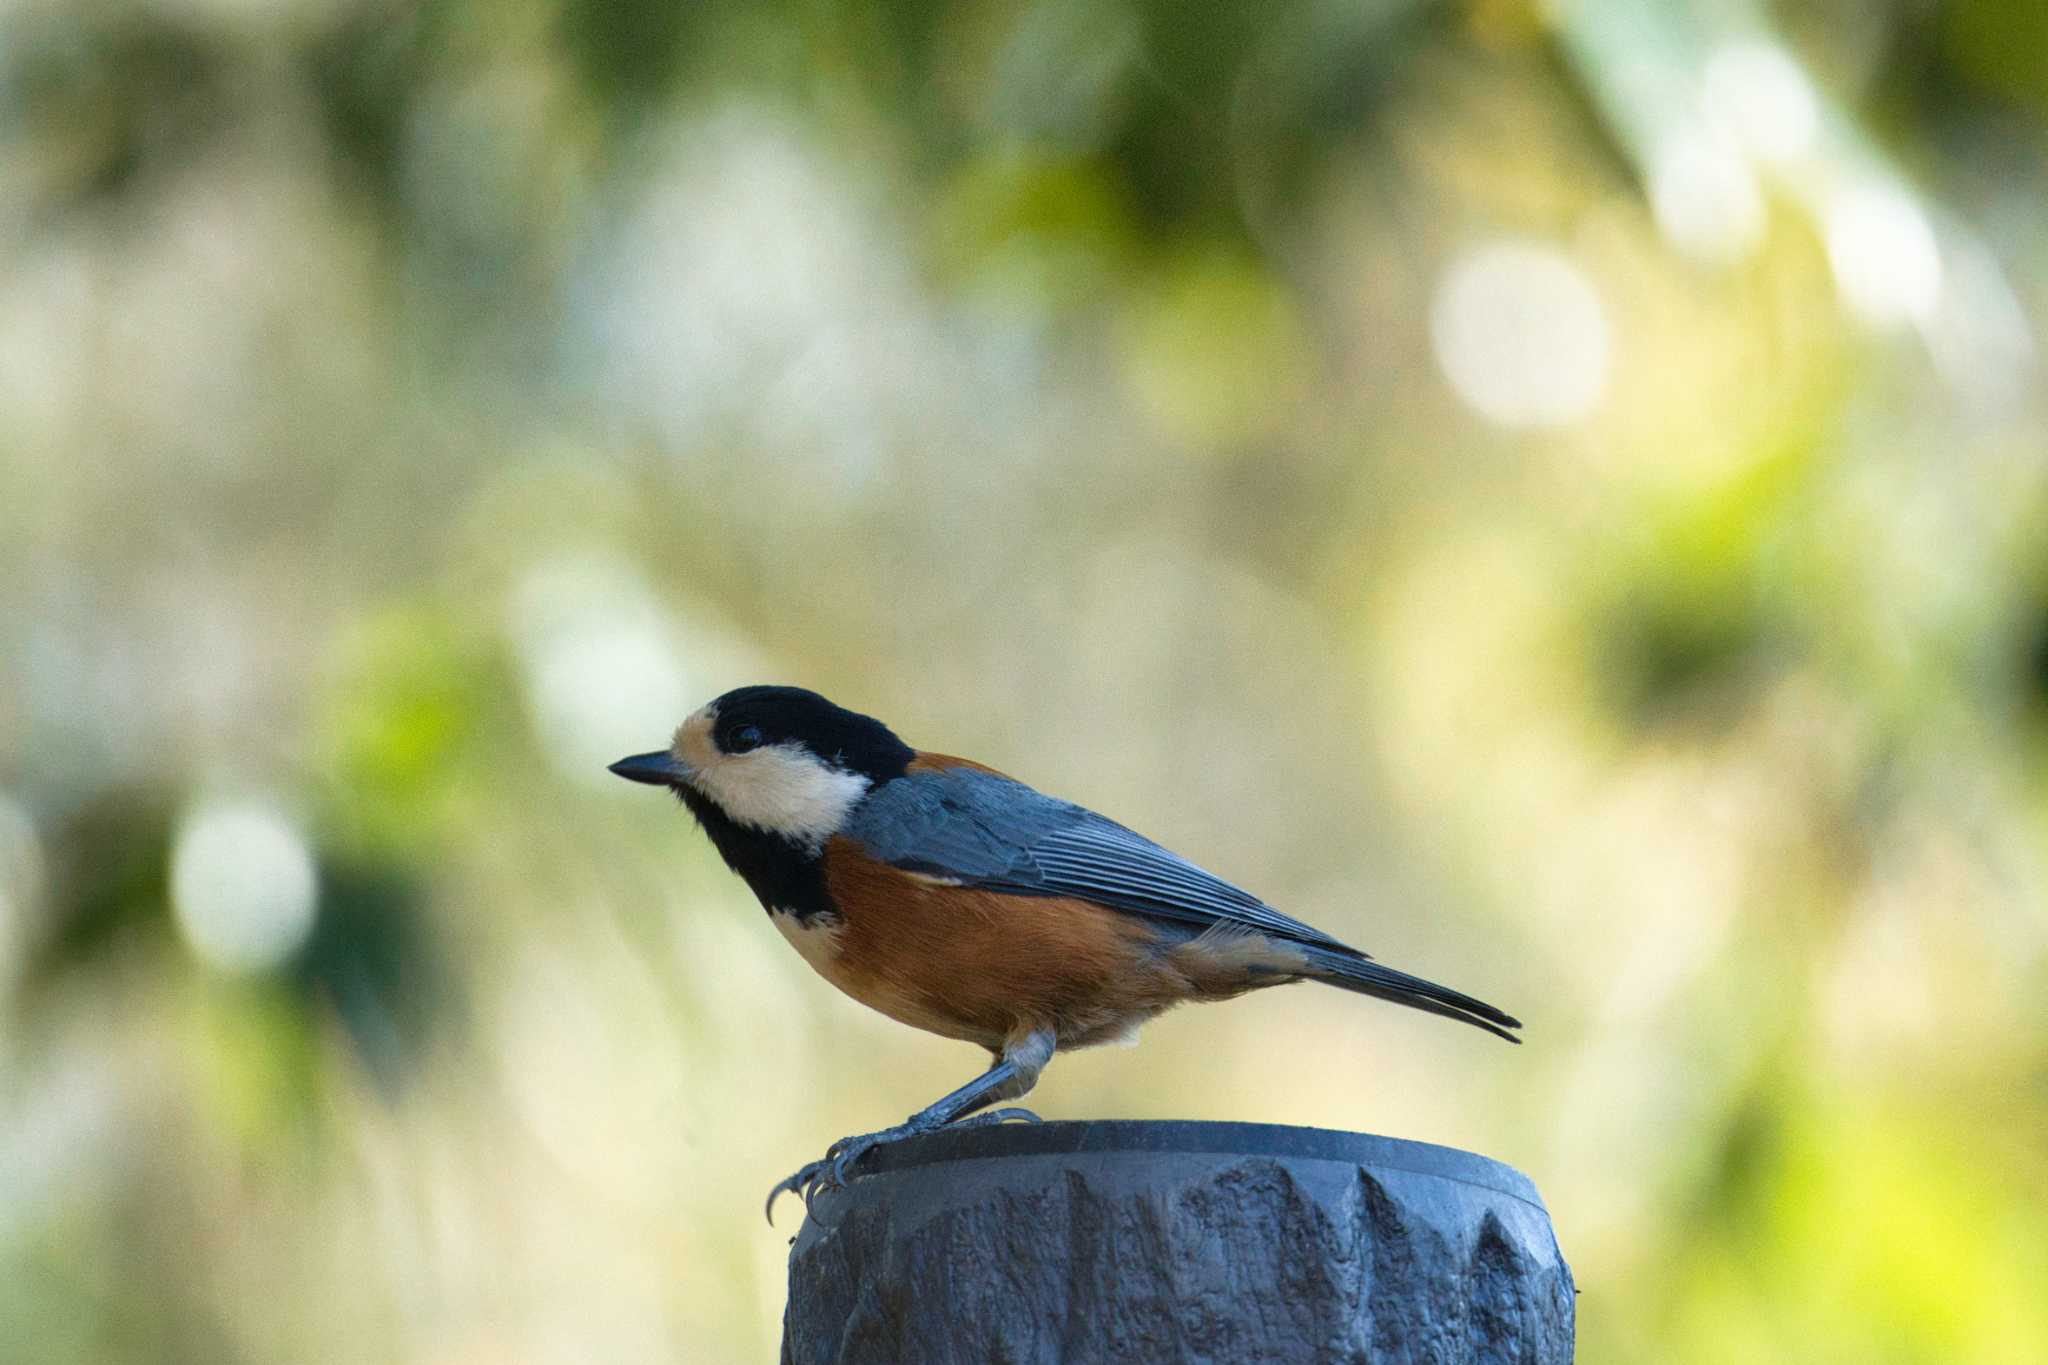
(830, 1171)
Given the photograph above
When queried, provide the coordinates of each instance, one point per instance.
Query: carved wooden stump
(1221, 1242)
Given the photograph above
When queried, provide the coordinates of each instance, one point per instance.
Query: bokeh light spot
(1884, 254)
(1704, 196)
(1757, 91)
(1521, 335)
(243, 888)
(603, 677)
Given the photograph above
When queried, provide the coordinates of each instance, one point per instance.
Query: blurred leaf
(1854, 1234)
(629, 51)
(95, 99)
(365, 73)
(412, 692)
(1215, 351)
(1693, 611)
(259, 1062)
(109, 874)
(374, 961)
(1037, 231)
(2001, 46)
(2030, 647)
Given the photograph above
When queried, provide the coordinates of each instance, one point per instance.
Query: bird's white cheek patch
(784, 790)
(816, 941)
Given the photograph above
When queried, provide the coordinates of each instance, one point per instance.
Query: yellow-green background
(1552, 494)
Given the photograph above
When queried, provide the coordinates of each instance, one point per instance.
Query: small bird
(960, 901)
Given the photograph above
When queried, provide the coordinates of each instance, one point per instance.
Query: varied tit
(957, 900)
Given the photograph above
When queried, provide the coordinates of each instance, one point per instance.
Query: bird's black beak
(658, 769)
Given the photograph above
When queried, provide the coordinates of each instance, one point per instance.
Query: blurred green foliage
(1550, 493)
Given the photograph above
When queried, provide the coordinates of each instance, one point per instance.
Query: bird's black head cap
(767, 714)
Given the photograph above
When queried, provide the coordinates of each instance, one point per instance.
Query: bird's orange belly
(820, 943)
(988, 967)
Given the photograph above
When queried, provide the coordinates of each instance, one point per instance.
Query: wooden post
(1218, 1242)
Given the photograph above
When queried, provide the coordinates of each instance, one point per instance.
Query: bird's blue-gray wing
(989, 831)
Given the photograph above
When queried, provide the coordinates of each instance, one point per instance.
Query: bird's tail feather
(1384, 983)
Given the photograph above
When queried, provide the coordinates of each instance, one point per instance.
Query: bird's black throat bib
(784, 875)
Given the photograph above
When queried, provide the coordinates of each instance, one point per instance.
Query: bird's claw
(798, 1185)
(995, 1116)
(832, 1170)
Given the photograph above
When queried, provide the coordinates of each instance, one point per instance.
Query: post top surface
(1191, 1137)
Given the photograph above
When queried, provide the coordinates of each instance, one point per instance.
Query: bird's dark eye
(745, 738)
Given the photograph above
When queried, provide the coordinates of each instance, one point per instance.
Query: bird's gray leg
(1014, 1073)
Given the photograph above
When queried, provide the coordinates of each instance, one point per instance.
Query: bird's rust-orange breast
(987, 966)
